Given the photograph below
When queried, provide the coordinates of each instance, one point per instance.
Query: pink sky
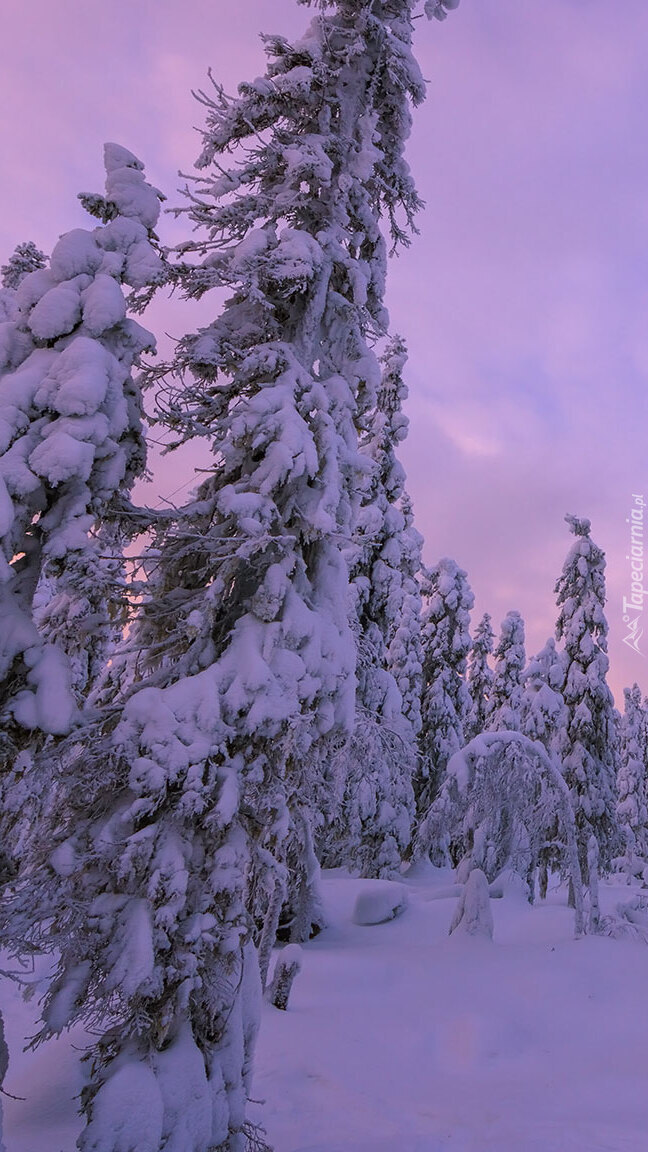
(524, 299)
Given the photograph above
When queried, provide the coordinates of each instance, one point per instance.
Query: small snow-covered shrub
(629, 919)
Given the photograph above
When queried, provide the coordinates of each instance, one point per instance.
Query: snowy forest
(223, 717)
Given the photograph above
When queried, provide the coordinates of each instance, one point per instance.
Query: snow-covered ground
(399, 1038)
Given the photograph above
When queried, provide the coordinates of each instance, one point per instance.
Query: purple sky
(525, 298)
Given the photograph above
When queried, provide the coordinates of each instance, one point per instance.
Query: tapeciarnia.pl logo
(633, 605)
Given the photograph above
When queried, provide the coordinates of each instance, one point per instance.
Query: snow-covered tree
(71, 440)
(587, 738)
(632, 810)
(480, 677)
(371, 826)
(405, 652)
(71, 446)
(542, 708)
(25, 258)
(542, 712)
(389, 558)
(445, 704)
(186, 815)
(506, 689)
(501, 792)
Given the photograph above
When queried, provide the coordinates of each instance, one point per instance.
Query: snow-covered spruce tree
(24, 259)
(480, 677)
(183, 818)
(371, 827)
(506, 690)
(405, 652)
(71, 447)
(587, 743)
(370, 831)
(542, 712)
(445, 702)
(503, 714)
(542, 707)
(632, 810)
(403, 546)
(71, 441)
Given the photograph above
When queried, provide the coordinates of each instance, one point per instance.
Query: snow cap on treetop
(438, 9)
(434, 9)
(579, 525)
(116, 156)
(126, 186)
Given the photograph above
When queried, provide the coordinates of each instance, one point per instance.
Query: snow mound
(473, 912)
(127, 1112)
(379, 902)
(509, 883)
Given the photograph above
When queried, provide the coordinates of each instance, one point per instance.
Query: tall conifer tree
(445, 705)
(632, 809)
(372, 829)
(480, 676)
(506, 691)
(71, 442)
(588, 739)
(211, 780)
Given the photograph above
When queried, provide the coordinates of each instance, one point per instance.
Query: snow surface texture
(530, 1044)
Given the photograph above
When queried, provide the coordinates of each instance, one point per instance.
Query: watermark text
(634, 603)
